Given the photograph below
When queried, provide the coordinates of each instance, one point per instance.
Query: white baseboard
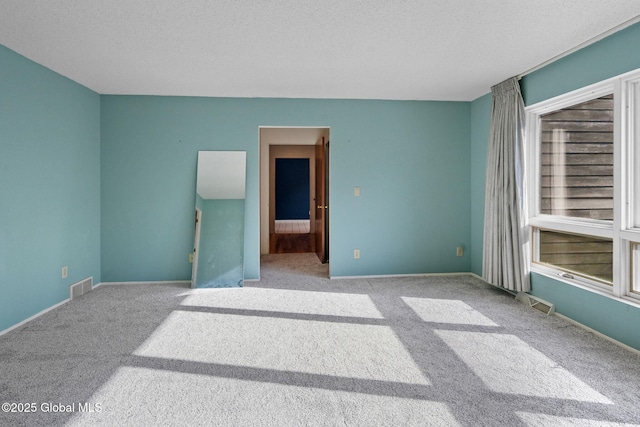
(599, 334)
(35, 316)
(167, 282)
(477, 277)
(390, 276)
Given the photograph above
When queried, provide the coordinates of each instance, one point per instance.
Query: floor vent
(537, 303)
(80, 288)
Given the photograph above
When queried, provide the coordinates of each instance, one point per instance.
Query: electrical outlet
(356, 254)
(65, 272)
(459, 251)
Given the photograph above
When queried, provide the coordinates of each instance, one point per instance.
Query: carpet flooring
(298, 349)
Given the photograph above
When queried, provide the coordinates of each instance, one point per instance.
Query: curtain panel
(505, 247)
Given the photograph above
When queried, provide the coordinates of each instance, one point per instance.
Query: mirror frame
(219, 208)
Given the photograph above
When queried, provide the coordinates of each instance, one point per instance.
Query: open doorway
(292, 232)
(305, 230)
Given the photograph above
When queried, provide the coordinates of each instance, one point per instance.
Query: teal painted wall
(50, 186)
(480, 119)
(607, 58)
(411, 160)
(606, 315)
(221, 244)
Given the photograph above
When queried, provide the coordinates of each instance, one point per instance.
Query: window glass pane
(583, 255)
(635, 263)
(576, 164)
(635, 150)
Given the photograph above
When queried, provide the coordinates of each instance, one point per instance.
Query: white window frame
(622, 231)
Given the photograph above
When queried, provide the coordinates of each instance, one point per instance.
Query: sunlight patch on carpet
(506, 364)
(447, 311)
(157, 397)
(286, 301)
(327, 348)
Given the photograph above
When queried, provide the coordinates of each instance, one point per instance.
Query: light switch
(356, 191)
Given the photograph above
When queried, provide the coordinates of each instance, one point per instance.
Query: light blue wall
(480, 119)
(411, 160)
(49, 186)
(609, 57)
(606, 315)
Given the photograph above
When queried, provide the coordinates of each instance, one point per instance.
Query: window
(587, 256)
(576, 160)
(583, 185)
(635, 266)
(635, 279)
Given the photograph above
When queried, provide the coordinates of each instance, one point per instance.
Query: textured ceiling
(365, 49)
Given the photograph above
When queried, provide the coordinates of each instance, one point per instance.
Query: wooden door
(322, 200)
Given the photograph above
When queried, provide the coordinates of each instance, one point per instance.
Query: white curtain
(504, 256)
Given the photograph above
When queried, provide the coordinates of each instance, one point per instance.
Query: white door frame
(291, 136)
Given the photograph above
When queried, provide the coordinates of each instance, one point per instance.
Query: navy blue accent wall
(292, 189)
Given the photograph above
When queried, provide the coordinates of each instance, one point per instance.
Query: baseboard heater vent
(80, 288)
(537, 303)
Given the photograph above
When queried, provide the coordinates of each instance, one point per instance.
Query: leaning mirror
(219, 227)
